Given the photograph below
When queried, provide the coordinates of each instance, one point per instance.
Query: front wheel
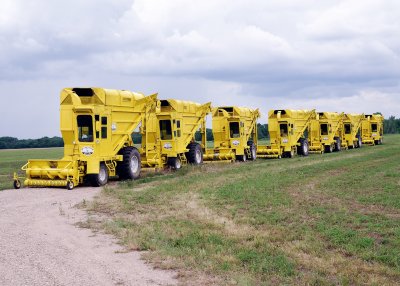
(338, 145)
(100, 179)
(17, 184)
(174, 163)
(70, 185)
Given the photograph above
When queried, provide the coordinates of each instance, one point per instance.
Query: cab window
(324, 129)
(374, 127)
(165, 129)
(234, 129)
(85, 128)
(284, 129)
(347, 129)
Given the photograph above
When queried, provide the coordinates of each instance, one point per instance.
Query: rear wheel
(129, 168)
(303, 148)
(253, 150)
(195, 154)
(174, 163)
(100, 179)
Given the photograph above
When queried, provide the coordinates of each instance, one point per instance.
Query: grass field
(331, 219)
(12, 161)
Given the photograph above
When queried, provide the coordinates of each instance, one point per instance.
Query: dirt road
(39, 245)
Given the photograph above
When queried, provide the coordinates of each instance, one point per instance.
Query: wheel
(70, 185)
(241, 158)
(130, 166)
(253, 150)
(338, 145)
(359, 142)
(100, 179)
(174, 163)
(17, 184)
(195, 154)
(328, 148)
(376, 142)
(303, 148)
(289, 154)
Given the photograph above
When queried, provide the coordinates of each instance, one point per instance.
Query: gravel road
(39, 244)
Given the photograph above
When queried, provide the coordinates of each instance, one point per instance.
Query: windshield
(165, 129)
(324, 129)
(234, 129)
(284, 129)
(85, 128)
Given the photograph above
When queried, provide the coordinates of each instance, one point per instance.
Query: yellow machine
(352, 130)
(372, 129)
(326, 132)
(235, 134)
(96, 126)
(286, 130)
(169, 135)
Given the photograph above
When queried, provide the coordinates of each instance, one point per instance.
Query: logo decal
(114, 126)
(87, 150)
(168, 146)
(235, 143)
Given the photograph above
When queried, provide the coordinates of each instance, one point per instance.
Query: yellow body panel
(95, 124)
(372, 129)
(170, 129)
(233, 128)
(285, 128)
(325, 131)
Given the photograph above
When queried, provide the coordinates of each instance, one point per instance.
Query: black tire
(289, 154)
(17, 184)
(338, 145)
(175, 163)
(241, 158)
(253, 150)
(70, 185)
(359, 142)
(130, 166)
(195, 154)
(376, 142)
(303, 149)
(328, 148)
(100, 179)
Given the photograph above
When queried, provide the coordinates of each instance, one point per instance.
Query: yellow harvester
(96, 126)
(326, 132)
(287, 129)
(169, 135)
(235, 134)
(352, 130)
(372, 129)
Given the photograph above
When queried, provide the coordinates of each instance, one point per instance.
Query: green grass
(331, 219)
(12, 160)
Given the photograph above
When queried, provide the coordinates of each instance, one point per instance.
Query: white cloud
(297, 54)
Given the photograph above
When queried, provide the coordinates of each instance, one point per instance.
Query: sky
(278, 54)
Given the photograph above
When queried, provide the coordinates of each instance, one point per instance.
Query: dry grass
(323, 220)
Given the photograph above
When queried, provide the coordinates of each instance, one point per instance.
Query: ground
(40, 244)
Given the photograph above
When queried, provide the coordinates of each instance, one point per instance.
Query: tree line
(44, 142)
